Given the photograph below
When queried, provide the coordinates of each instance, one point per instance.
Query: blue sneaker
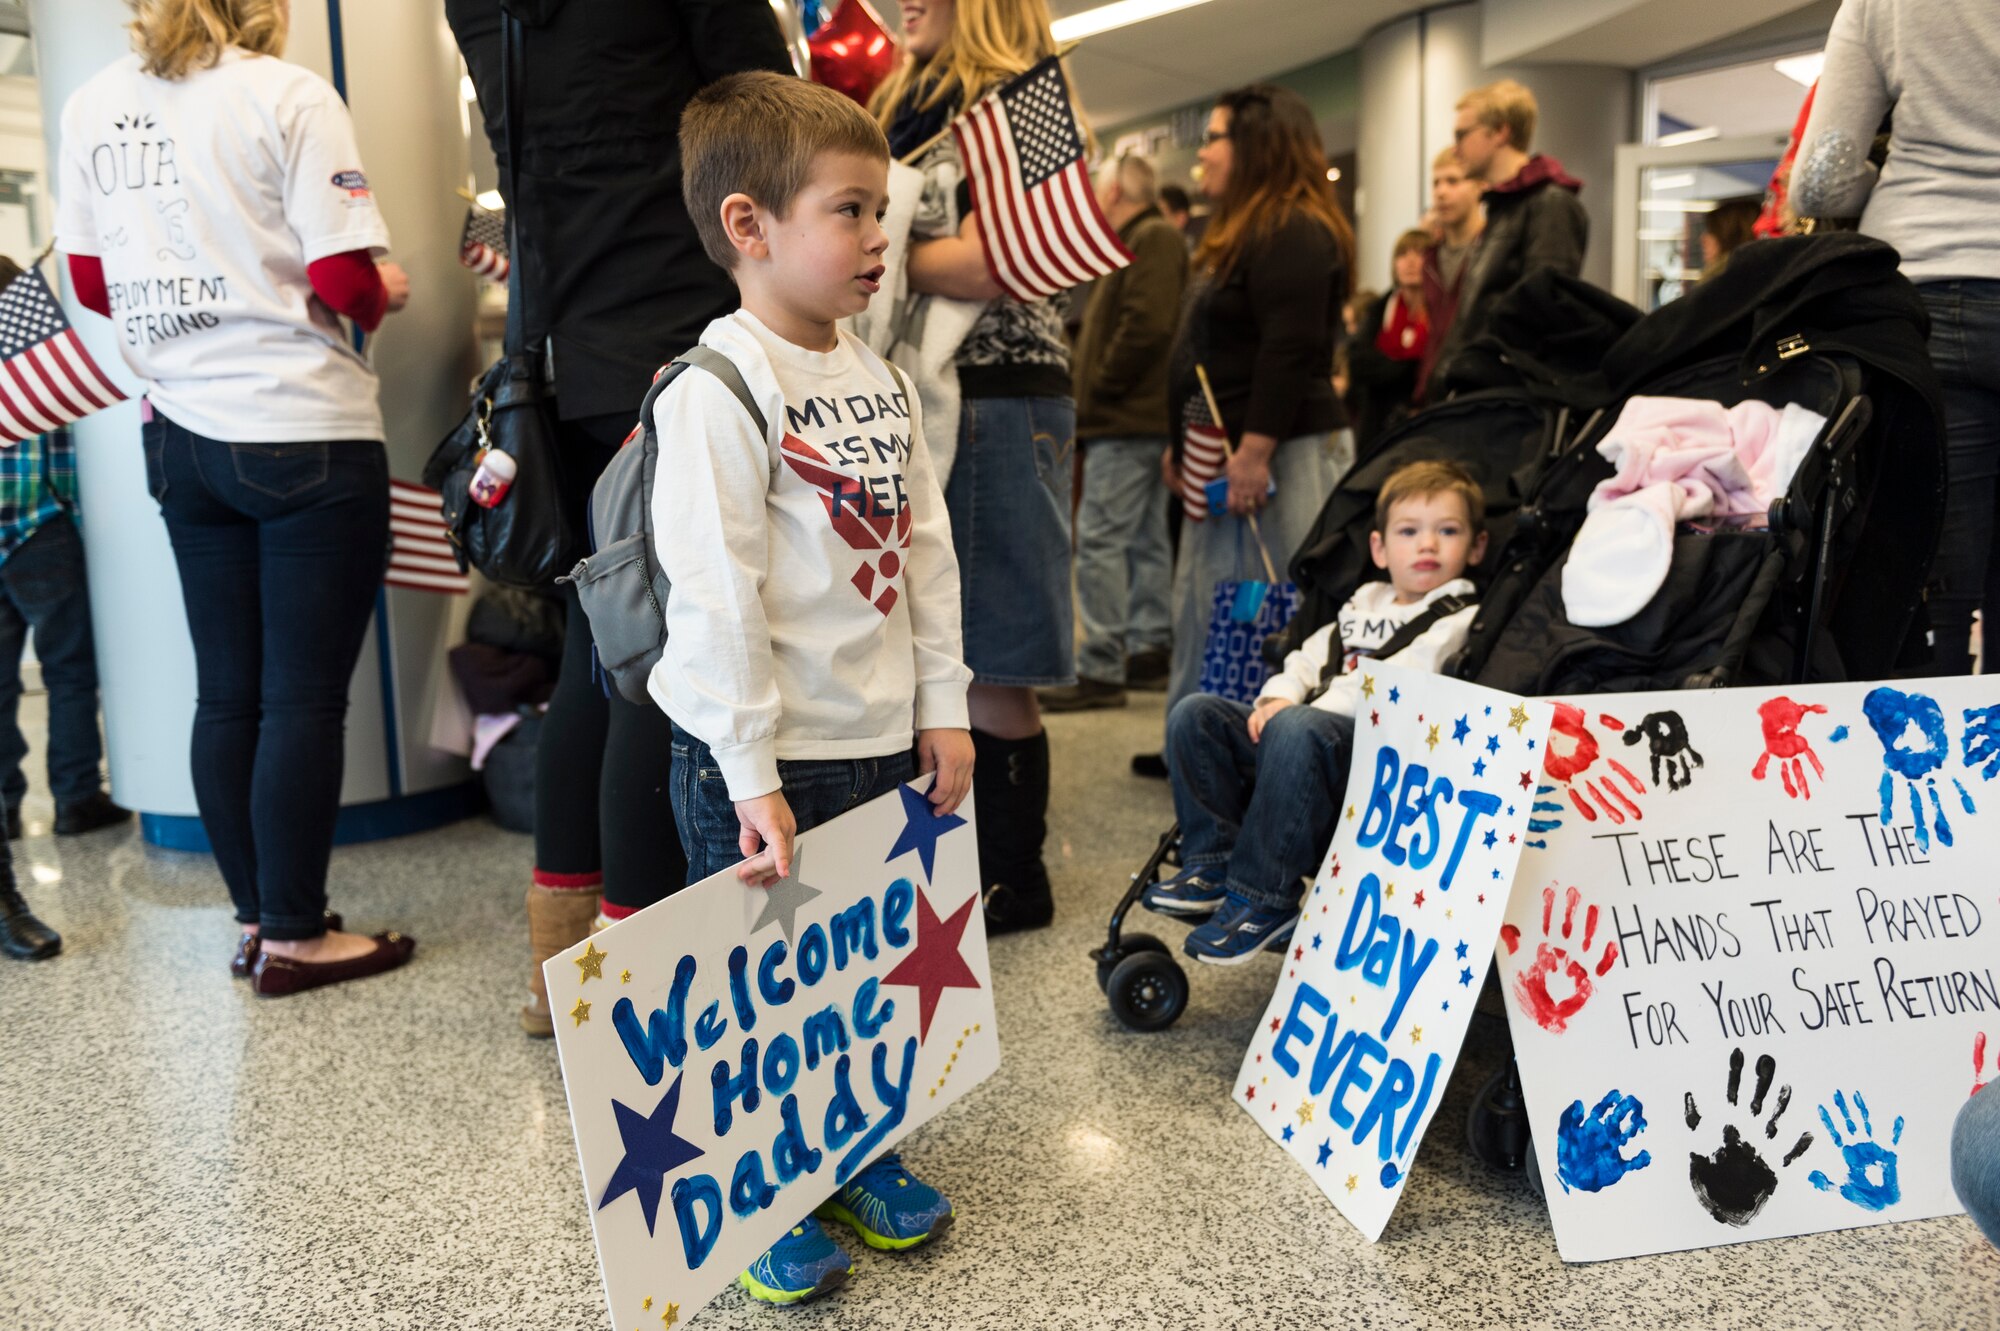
(1240, 931)
(1188, 892)
(889, 1207)
(803, 1264)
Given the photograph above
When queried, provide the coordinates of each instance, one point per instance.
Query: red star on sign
(1250, 1093)
(935, 965)
(1374, 718)
(1298, 954)
(1527, 779)
(1274, 1023)
(1420, 899)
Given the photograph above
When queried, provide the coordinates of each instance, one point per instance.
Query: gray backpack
(621, 586)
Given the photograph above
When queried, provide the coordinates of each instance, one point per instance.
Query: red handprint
(1531, 984)
(1570, 752)
(1979, 1062)
(1782, 740)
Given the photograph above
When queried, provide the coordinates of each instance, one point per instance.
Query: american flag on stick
(1038, 215)
(420, 557)
(482, 246)
(1204, 448)
(47, 379)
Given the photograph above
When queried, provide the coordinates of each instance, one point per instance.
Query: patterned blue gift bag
(1244, 613)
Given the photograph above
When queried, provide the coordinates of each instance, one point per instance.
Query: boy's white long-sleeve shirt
(815, 603)
(1368, 620)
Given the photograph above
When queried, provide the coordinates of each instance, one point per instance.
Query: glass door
(1665, 194)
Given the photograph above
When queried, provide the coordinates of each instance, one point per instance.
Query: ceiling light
(1333, 173)
(1120, 14)
(490, 200)
(1801, 69)
(1674, 180)
(1678, 206)
(1702, 135)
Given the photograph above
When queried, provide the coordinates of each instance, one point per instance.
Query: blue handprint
(1589, 1151)
(1982, 740)
(1892, 714)
(1871, 1168)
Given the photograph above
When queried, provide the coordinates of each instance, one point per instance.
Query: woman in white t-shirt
(212, 205)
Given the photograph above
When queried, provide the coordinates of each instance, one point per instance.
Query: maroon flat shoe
(278, 976)
(245, 959)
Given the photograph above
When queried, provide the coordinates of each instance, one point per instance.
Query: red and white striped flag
(1204, 448)
(420, 557)
(47, 379)
(482, 246)
(1038, 215)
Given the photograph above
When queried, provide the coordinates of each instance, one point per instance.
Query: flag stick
(1208, 393)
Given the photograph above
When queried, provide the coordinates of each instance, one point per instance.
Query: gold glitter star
(1447, 912)
(1517, 718)
(581, 1012)
(591, 963)
(1350, 813)
(646, 1304)
(670, 1316)
(1368, 686)
(1432, 738)
(624, 977)
(1416, 1034)
(1305, 1112)
(1353, 1181)
(1389, 891)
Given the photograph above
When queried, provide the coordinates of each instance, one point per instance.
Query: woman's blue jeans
(281, 549)
(1965, 348)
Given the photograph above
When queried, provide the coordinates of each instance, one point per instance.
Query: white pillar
(400, 71)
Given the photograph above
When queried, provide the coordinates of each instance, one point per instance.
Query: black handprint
(1668, 735)
(1733, 1184)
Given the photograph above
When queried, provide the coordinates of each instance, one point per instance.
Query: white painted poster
(733, 1054)
(1750, 965)
(1353, 1053)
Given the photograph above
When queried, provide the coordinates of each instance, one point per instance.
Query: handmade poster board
(1751, 963)
(733, 1054)
(1352, 1055)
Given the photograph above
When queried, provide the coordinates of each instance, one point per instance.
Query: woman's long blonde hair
(991, 42)
(176, 37)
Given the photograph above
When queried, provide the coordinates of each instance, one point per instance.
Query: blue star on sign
(1459, 951)
(1325, 1153)
(1479, 767)
(1460, 729)
(1489, 711)
(1491, 837)
(1510, 811)
(1315, 942)
(1465, 975)
(1493, 744)
(1395, 694)
(1446, 1005)
(923, 828)
(652, 1151)
(1288, 1132)
(1531, 746)
(1496, 874)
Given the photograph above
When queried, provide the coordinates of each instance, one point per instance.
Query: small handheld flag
(482, 246)
(1038, 215)
(47, 379)
(420, 556)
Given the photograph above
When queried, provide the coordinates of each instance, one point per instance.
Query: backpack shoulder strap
(1442, 608)
(723, 368)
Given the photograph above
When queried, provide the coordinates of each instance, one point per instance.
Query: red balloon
(852, 52)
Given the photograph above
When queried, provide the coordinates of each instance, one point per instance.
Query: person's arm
(1303, 667)
(327, 201)
(930, 584)
(714, 545)
(86, 278)
(953, 266)
(730, 36)
(1832, 177)
(352, 286)
(1143, 330)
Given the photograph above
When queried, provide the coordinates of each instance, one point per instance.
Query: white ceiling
(1738, 100)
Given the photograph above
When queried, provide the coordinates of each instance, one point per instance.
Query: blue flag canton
(28, 314)
(1045, 133)
(486, 227)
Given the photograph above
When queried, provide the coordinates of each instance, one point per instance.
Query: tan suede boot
(557, 919)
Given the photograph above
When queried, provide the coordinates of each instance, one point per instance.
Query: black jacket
(605, 258)
(1533, 222)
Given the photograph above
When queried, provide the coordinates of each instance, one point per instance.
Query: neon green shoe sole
(833, 1210)
(764, 1293)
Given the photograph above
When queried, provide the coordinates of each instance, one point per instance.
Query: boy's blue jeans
(818, 791)
(1262, 812)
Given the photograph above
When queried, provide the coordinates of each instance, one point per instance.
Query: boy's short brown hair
(1420, 480)
(758, 134)
(1504, 105)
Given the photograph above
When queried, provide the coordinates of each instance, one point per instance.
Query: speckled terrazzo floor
(394, 1154)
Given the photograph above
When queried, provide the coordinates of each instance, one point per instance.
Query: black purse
(528, 539)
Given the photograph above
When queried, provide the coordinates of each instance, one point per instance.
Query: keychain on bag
(493, 477)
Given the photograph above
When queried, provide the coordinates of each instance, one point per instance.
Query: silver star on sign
(784, 897)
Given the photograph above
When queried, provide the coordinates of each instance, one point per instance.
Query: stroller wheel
(1496, 1126)
(1129, 945)
(1148, 991)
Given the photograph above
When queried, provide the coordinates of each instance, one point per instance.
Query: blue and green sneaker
(803, 1264)
(889, 1207)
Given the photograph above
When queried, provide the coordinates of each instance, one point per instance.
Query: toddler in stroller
(1258, 789)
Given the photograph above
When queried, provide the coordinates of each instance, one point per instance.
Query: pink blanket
(1676, 458)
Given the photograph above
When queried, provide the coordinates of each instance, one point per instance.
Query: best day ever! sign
(1752, 963)
(1352, 1055)
(732, 1055)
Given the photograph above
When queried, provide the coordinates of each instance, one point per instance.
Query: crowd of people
(671, 182)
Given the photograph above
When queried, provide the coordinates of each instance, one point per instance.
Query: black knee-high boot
(1010, 785)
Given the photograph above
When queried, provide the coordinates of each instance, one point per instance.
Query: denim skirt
(1009, 498)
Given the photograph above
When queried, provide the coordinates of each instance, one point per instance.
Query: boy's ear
(744, 227)
(1478, 550)
(1378, 549)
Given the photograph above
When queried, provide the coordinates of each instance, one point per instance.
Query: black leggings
(602, 764)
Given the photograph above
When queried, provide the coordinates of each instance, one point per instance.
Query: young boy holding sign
(812, 659)
(1258, 790)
